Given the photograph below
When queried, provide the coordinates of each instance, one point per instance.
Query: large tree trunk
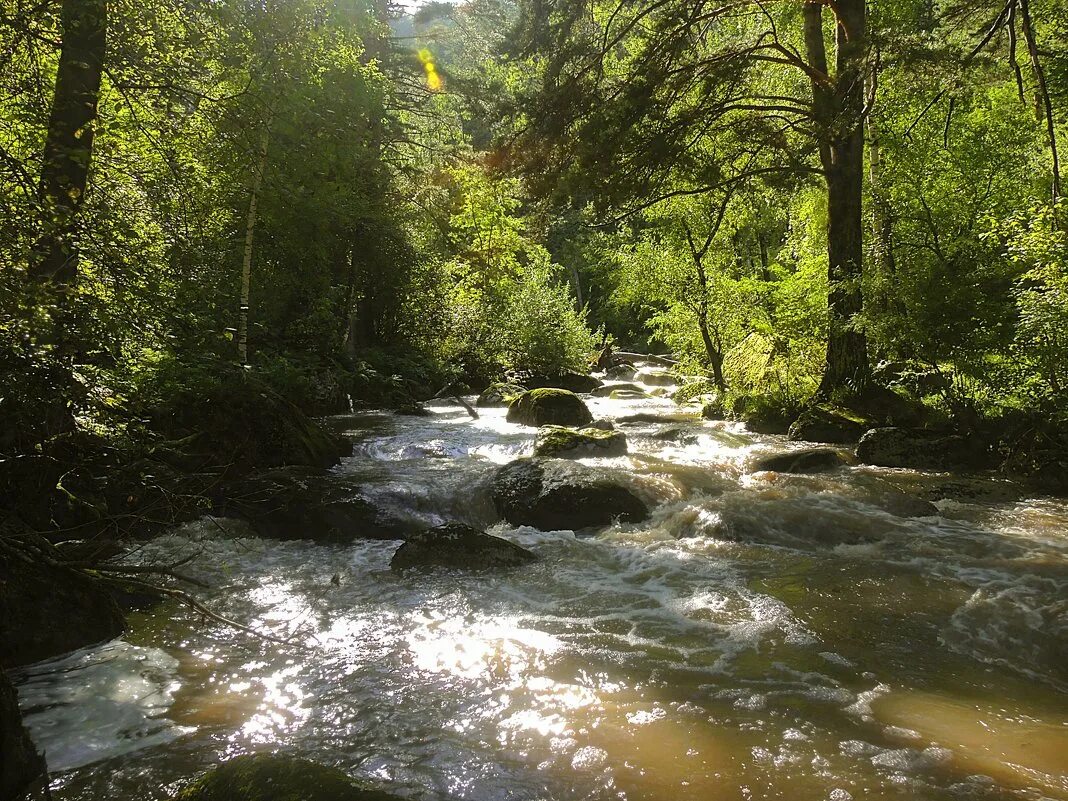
(68, 147)
(250, 238)
(839, 108)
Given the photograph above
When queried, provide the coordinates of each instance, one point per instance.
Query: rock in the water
(713, 409)
(46, 611)
(656, 378)
(603, 425)
(544, 407)
(571, 443)
(901, 504)
(273, 777)
(921, 450)
(499, 395)
(296, 504)
(820, 424)
(815, 460)
(629, 394)
(457, 546)
(621, 372)
(558, 495)
(20, 764)
(608, 390)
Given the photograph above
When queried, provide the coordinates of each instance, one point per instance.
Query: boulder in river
(621, 372)
(20, 764)
(572, 443)
(921, 450)
(812, 460)
(542, 407)
(656, 378)
(298, 504)
(822, 424)
(274, 777)
(500, 394)
(46, 611)
(568, 379)
(455, 545)
(558, 495)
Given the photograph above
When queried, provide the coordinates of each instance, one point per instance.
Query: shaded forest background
(344, 202)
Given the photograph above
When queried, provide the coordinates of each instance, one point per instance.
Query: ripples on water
(762, 636)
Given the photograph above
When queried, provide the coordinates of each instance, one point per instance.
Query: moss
(560, 441)
(500, 394)
(540, 407)
(272, 777)
(693, 391)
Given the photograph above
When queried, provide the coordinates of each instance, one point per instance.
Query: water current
(762, 636)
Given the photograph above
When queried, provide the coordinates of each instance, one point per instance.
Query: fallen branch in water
(445, 392)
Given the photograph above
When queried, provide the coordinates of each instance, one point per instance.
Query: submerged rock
(571, 443)
(921, 450)
(814, 460)
(455, 545)
(901, 504)
(558, 495)
(656, 378)
(20, 764)
(496, 395)
(821, 424)
(273, 777)
(295, 504)
(47, 611)
(542, 407)
(608, 390)
(629, 394)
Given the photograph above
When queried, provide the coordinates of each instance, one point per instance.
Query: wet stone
(457, 546)
(814, 460)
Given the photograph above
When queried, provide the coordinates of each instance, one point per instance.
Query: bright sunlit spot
(434, 81)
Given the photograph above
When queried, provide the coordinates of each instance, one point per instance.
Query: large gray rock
(609, 390)
(457, 546)
(813, 460)
(558, 495)
(297, 504)
(543, 407)
(274, 777)
(20, 764)
(921, 450)
(575, 444)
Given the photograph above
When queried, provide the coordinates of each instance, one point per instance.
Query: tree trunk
(839, 108)
(68, 149)
(250, 236)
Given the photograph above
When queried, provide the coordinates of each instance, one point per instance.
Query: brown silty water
(762, 636)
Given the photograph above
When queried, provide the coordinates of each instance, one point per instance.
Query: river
(762, 636)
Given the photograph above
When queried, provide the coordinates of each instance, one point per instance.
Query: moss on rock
(572, 443)
(500, 394)
(273, 777)
(542, 407)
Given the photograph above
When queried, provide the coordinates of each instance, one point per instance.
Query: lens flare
(434, 81)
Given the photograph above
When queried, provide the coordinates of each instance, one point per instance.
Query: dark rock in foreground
(20, 764)
(543, 407)
(296, 504)
(271, 777)
(457, 546)
(47, 611)
(921, 450)
(557, 495)
(814, 460)
(575, 444)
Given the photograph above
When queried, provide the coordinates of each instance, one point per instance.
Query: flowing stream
(762, 636)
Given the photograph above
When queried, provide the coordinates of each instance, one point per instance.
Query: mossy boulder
(713, 408)
(568, 379)
(574, 444)
(460, 547)
(47, 611)
(303, 504)
(656, 377)
(500, 394)
(764, 414)
(919, 449)
(621, 372)
(271, 777)
(830, 425)
(554, 495)
(813, 460)
(543, 407)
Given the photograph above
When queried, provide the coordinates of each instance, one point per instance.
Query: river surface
(762, 636)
